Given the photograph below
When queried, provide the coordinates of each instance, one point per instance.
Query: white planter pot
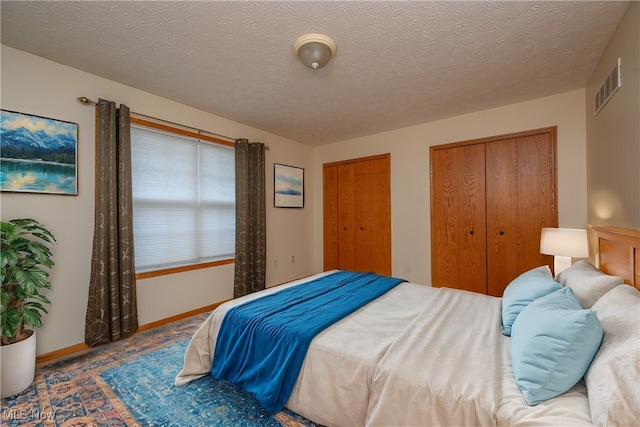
(18, 366)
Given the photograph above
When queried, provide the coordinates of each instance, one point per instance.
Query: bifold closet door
(490, 199)
(458, 218)
(372, 213)
(330, 215)
(521, 199)
(357, 215)
(346, 217)
(502, 214)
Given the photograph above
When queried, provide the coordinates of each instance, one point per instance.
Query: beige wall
(33, 85)
(613, 136)
(409, 148)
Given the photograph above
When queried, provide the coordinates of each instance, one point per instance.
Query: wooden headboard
(619, 253)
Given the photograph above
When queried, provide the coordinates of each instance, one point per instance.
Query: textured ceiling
(397, 64)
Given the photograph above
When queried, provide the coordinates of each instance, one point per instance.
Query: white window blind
(183, 199)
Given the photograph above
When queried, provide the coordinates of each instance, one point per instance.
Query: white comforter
(415, 356)
(444, 367)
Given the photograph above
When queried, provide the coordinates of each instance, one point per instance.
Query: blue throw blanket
(262, 343)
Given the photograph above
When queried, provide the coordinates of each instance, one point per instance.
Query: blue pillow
(522, 291)
(553, 342)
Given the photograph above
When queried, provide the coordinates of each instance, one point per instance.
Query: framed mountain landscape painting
(38, 154)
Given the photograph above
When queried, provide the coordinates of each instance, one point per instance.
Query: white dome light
(314, 50)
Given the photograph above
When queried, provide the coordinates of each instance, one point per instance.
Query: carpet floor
(130, 383)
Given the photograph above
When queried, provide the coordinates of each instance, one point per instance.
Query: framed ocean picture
(38, 154)
(288, 186)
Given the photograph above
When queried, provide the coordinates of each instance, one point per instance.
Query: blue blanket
(262, 343)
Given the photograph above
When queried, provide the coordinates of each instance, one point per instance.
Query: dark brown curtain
(251, 262)
(112, 308)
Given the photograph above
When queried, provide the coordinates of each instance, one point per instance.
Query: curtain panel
(250, 258)
(112, 306)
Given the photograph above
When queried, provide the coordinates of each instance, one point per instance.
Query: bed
(419, 355)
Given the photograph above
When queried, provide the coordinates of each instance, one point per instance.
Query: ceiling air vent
(610, 86)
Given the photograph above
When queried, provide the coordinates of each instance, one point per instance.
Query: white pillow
(587, 282)
(613, 379)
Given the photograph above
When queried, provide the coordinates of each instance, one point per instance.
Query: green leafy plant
(25, 261)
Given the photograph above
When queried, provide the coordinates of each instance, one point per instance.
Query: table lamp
(564, 244)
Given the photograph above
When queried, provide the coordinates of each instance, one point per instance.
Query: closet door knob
(471, 232)
(361, 228)
(502, 233)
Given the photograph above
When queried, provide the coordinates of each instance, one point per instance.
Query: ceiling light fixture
(314, 50)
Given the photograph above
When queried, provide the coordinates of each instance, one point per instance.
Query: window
(183, 197)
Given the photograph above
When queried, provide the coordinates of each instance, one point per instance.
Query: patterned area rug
(130, 383)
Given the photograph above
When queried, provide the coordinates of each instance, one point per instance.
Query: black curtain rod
(86, 100)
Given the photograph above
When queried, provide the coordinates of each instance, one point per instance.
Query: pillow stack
(613, 379)
(554, 338)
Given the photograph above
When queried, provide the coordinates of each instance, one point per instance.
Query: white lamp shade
(568, 242)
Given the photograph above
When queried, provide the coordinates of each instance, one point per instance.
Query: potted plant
(25, 261)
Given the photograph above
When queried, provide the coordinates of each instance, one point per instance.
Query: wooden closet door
(330, 214)
(472, 218)
(346, 217)
(502, 214)
(357, 214)
(444, 218)
(517, 174)
(521, 199)
(458, 215)
(376, 225)
(537, 200)
(368, 216)
(362, 216)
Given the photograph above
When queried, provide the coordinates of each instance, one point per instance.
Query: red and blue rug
(130, 383)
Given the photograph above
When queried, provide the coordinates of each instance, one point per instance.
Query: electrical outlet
(293, 259)
(275, 263)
